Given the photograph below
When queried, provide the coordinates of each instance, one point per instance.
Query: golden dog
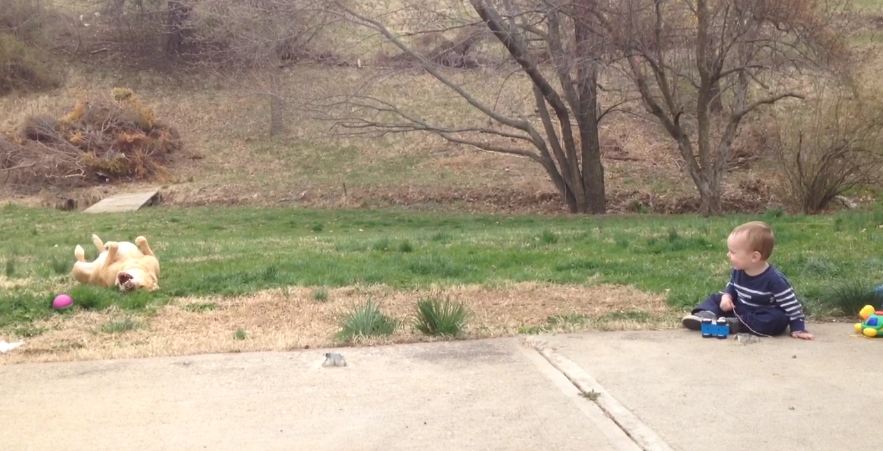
(123, 264)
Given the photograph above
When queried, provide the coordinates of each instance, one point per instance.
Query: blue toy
(715, 328)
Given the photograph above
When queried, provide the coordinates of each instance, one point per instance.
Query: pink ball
(62, 301)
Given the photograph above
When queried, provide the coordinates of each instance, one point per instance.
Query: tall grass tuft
(320, 294)
(848, 297)
(435, 317)
(366, 321)
(10, 267)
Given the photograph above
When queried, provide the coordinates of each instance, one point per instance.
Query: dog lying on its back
(122, 264)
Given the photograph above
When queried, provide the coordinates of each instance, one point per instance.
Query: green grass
(232, 251)
(436, 317)
(365, 321)
(119, 326)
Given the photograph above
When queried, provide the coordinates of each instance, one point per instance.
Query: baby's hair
(759, 237)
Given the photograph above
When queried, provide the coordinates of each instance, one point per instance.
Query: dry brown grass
(289, 318)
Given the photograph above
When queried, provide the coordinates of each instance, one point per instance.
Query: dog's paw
(140, 240)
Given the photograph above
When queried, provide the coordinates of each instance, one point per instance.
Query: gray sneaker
(693, 321)
(735, 325)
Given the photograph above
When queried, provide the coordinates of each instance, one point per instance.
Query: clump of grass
(89, 297)
(320, 294)
(317, 228)
(548, 237)
(848, 297)
(240, 334)
(406, 246)
(269, 274)
(591, 395)
(28, 331)
(10, 267)
(436, 265)
(366, 321)
(381, 245)
(201, 307)
(60, 266)
(118, 327)
(435, 317)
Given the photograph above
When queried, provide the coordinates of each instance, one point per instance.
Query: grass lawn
(218, 252)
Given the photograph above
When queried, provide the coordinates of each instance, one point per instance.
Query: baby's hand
(802, 334)
(726, 302)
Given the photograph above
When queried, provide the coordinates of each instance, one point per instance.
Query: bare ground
(289, 318)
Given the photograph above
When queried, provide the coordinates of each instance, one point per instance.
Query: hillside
(228, 157)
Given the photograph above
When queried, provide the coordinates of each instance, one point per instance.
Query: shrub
(435, 317)
(366, 321)
(829, 147)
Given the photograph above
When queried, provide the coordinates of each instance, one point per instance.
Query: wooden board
(124, 202)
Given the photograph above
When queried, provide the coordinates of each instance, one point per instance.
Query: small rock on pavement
(333, 359)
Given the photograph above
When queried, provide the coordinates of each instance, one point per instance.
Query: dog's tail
(79, 253)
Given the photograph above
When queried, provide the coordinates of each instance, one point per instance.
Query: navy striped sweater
(769, 289)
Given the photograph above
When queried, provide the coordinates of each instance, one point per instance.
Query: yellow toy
(872, 324)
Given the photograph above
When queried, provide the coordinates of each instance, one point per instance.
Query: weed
(849, 296)
(591, 395)
(320, 294)
(366, 321)
(201, 307)
(435, 317)
(120, 326)
(240, 334)
(405, 247)
(10, 267)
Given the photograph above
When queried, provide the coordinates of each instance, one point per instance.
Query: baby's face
(740, 255)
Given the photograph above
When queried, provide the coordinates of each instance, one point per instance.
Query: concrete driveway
(604, 390)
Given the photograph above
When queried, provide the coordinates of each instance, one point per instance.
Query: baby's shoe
(693, 321)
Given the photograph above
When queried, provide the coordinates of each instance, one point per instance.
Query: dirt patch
(290, 318)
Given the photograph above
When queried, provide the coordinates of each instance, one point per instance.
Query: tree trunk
(710, 197)
(277, 115)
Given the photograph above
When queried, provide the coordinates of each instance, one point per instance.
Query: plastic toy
(62, 301)
(715, 328)
(872, 322)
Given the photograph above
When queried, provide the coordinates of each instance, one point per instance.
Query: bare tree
(547, 45)
(702, 66)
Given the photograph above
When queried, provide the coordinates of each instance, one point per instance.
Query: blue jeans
(760, 321)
